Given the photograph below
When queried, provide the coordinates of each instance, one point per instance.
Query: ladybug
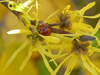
(44, 29)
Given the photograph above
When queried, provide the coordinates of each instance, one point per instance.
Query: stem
(33, 22)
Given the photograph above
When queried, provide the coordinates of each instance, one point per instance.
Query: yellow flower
(70, 46)
(78, 49)
(35, 40)
(73, 21)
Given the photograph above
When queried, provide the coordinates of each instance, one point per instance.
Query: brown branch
(33, 22)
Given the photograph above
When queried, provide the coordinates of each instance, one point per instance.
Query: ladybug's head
(44, 29)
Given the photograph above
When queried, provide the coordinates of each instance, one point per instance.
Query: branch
(33, 22)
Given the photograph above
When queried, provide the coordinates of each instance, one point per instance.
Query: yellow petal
(51, 39)
(54, 62)
(66, 37)
(37, 13)
(74, 15)
(49, 50)
(61, 48)
(94, 49)
(44, 51)
(84, 9)
(71, 65)
(96, 28)
(92, 17)
(87, 66)
(48, 46)
(26, 19)
(25, 4)
(81, 28)
(40, 49)
(92, 64)
(19, 31)
(90, 52)
(30, 68)
(15, 54)
(49, 17)
(26, 59)
(98, 42)
(66, 9)
(46, 62)
(52, 46)
(59, 66)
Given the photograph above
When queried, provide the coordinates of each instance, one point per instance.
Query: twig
(33, 22)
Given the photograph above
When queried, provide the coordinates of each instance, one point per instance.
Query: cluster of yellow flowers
(66, 37)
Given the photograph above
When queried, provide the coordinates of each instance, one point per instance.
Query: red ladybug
(45, 29)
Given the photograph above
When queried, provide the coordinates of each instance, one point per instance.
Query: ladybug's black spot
(46, 27)
(42, 29)
(46, 31)
(42, 33)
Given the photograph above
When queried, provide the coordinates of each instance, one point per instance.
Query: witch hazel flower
(81, 47)
(78, 49)
(70, 39)
(36, 39)
(77, 43)
(73, 20)
(71, 23)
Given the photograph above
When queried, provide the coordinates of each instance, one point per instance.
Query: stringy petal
(61, 48)
(92, 17)
(94, 49)
(49, 17)
(39, 46)
(37, 13)
(19, 31)
(51, 39)
(26, 59)
(87, 7)
(15, 54)
(48, 46)
(98, 70)
(71, 64)
(59, 66)
(98, 41)
(49, 50)
(87, 66)
(96, 28)
(66, 9)
(81, 28)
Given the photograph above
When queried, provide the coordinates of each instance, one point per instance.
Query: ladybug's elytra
(44, 29)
